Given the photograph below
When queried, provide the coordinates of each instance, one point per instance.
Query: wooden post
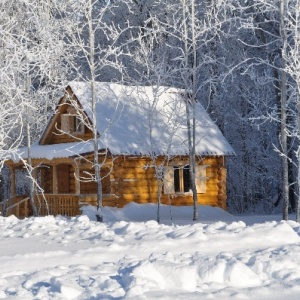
(35, 196)
(77, 181)
(12, 181)
(55, 189)
(17, 211)
(26, 209)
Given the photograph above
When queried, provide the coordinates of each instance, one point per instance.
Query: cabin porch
(61, 187)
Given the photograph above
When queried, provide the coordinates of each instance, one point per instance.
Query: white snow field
(130, 256)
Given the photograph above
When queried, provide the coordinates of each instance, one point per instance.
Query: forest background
(240, 59)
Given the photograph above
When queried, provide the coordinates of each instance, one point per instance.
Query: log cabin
(142, 145)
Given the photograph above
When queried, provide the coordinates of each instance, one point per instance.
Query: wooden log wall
(131, 181)
(87, 186)
(222, 196)
(91, 199)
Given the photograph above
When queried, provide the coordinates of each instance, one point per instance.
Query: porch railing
(61, 204)
(49, 204)
(17, 205)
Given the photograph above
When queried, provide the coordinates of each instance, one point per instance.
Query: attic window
(177, 179)
(71, 123)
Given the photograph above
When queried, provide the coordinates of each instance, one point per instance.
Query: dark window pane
(77, 125)
(186, 179)
(74, 123)
(176, 179)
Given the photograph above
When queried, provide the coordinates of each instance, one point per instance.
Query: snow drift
(76, 258)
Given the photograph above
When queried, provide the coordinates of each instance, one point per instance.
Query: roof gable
(54, 133)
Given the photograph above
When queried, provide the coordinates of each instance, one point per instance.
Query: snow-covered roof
(144, 119)
(139, 120)
(53, 151)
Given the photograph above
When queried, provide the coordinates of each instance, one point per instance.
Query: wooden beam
(77, 181)
(55, 189)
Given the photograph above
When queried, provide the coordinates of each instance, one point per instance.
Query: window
(177, 179)
(77, 124)
(182, 179)
(71, 124)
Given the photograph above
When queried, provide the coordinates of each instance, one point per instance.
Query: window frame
(70, 124)
(169, 182)
(182, 179)
(77, 125)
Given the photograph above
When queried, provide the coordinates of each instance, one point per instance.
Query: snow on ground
(130, 256)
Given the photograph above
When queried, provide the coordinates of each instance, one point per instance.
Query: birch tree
(290, 32)
(191, 27)
(283, 117)
(94, 39)
(152, 71)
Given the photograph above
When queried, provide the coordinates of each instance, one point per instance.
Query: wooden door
(63, 179)
(46, 178)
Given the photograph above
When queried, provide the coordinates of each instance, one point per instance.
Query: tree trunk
(291, 176)
(190, 96)
(97, 168)
(283, 129)
(194, 99)
(159, 192)
(297, 208)
(30, 173)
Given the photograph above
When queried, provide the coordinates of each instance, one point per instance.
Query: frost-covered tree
(191, 27)
(151, 55)
(273, 25)
(252, 88)
(290, 33)
(36, 54)
(10, 120)
(94, 39)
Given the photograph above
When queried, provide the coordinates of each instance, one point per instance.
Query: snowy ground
(130, 256)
